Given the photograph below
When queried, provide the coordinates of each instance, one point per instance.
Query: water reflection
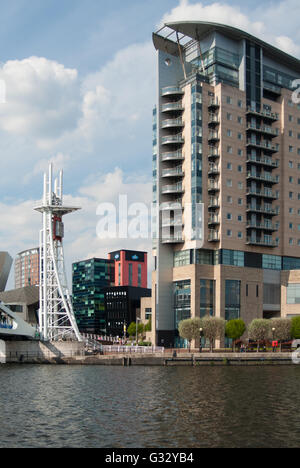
(155, 407)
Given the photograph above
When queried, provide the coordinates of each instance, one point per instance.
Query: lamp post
(136, 329)
(273, 333)
(201, 334)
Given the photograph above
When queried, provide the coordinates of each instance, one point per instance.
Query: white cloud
(273, 19)
(42, 99)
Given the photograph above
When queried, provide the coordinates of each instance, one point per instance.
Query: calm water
(114, 407)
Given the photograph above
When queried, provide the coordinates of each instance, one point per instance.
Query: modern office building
(130, 268)
(27, 268)
(25, 302)
(5, 266)
(90, 278)
(122, 305)
(226, 162)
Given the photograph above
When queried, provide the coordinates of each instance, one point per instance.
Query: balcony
(173, 172)
(213, 170)
(263, 161)
(213, 153)
(266, 115)
(176, 239)
(172, 189)
(172, 156)
(266, 178)
(261, 242)
(213, 204)
(269, 131)
(262, 226)
(172, 140)
(213, 236)
(213, 104)
(172, 206)
(172, 223)
(172, 123)
(261, 209)
(172, 107)
(264, 145)
(172, 91)
(213, 220)
(213, 187)
(262, 193)
(213, 137)
(213, 120)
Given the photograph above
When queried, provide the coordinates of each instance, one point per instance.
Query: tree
(235, 329)
(282, 330)
(259, 330)
(295, 328)
(132, 329)
(213, 329)
(190, 329)
(148, 326)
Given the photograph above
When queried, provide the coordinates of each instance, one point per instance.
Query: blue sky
(80, 81)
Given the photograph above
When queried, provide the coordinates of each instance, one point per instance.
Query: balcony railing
(172, 139)
(176, 188)
(176, 239)
(264, 130)
(265, 161)
(262, 209)
(213, 136)
(263, 145)
(213, 187)
(172, 156)
(167, 123)
(213, 153)
(262, 177)
(213, 119)
(263, 113)
(213, 236)
(172, 90)
(173, 172)
(172, 106)
(213, 220)
(213, 170)
(213, 203)
(262, 226)
(213, 103)
(262, 193)
(261, 242)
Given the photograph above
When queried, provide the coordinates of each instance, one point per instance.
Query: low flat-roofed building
(23, 301)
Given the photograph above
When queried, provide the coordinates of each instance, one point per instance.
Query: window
(229, 166)
(229, 183)
(229, 116)
(240, 152)
(233, 258)
(229, 149)
(240, 168)
(229, 233)
(232, 299)
(240, 201)
(240, 136)
(229, 133)
(240, 235)
(240, 103)
(240, 120)
(229, 216)
(293, 294)
(207, 297)
(291, 164)
(182, 258)
(229, 200)
(240, 218)
(228, 100)
(271, 262)
(139, 276)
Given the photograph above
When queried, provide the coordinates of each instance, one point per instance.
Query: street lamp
(136, 329)
(201, 334)
(273, 333)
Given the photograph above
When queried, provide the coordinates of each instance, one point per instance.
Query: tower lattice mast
(56, 316)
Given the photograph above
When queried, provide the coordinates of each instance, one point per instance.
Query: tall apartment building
(27, 268)
(227, 136)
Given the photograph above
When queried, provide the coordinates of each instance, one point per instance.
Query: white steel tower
(56, 316)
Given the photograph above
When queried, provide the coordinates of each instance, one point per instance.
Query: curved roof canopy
(197, 30)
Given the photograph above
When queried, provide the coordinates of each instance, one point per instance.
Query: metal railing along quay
(132, 349)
